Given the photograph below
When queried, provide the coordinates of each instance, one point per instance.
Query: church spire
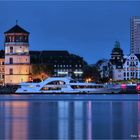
(16, 22)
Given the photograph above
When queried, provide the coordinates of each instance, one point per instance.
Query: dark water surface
(69, 119)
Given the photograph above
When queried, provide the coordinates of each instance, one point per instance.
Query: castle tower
(17, 58)
(117, 54)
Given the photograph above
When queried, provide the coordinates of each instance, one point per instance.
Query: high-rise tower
(17, 58)
(135, 35)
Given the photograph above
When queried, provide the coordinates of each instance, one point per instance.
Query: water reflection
(69, 120)
(15, 121)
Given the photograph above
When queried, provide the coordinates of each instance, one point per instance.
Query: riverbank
(70, 97)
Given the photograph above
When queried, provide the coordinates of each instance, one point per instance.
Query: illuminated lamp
(123, 86)
(138, 87)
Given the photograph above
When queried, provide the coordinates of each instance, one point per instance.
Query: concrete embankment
(8, 89)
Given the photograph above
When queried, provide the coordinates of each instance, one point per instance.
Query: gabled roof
(16, 29)
(138, 56)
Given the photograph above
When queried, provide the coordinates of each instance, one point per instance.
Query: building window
(21, 80)
(124, 74)
(11, 60)
(11, 49)
(17, 39)
(127, 63)
(11, 71)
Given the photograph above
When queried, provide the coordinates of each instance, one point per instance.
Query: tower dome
(117, 49)
(117, 55)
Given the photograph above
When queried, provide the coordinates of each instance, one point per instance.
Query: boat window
(51, 88)
(56, 83)
(86, 86)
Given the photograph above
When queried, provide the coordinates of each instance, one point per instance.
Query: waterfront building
(61, 63)
(117, 61)
(2, 69)
(17, 58)
(135, 35)
(131, 67)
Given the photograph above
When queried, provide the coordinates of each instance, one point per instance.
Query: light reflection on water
(69, 119)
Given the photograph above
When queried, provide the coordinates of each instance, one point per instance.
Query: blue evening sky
(87, 28)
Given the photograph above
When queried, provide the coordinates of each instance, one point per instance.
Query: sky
(86, 28)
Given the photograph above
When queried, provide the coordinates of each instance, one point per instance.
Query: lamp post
(88, 80)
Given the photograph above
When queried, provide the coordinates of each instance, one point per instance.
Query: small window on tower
(11, 71)
(11, 49)
(17, 39)
(11, 60)
(21, 79)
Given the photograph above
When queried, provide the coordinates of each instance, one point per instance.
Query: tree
(91, 73)
(41, 71)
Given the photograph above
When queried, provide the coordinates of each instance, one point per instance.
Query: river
(36, 118)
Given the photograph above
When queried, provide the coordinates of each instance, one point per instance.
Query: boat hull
(104, 91)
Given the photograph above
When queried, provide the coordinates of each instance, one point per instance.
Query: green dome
(117, 49)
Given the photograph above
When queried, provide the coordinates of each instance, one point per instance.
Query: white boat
(66, 85)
